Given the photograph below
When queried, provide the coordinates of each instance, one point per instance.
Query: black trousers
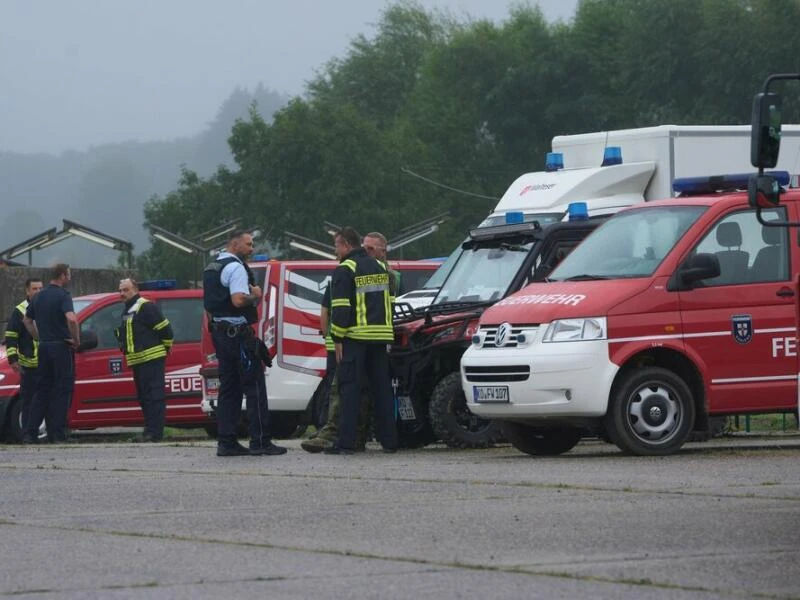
(324, 404)
(241, 373)
(365, 361)
(149, 380)
(54, 392)
(29, 379)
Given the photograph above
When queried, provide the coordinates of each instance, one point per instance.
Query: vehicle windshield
(483, 273)
(630, 244)
(437, 279)
(79, 305)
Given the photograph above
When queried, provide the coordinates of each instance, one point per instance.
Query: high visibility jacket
(145, 334)
(394, 280)
(361, 306)
(20, 346)
(326, 303)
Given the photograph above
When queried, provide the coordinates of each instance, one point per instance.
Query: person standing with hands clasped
(50, 319)
(230, 296)
(361, 327)
(22, 351)
(145, 338)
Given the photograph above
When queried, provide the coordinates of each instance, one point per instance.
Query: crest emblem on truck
(503, 334)
(742, 328)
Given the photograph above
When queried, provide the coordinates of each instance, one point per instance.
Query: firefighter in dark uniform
(145, 338)
(230, 296)
(22, 351)
(50, 319)
(361, 327)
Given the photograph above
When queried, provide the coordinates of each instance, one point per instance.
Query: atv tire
(453, 423)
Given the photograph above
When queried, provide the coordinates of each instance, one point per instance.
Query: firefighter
(361, 327)
(145, 338)
(376, 245)
(22, 352)
(50, 319)
(230, 296)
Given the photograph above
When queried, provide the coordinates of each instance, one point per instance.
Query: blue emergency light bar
(612, 155)
(553, 161)
(513, 217)
(259, 257)
(578, 211)
(709, 184)
(158, 284)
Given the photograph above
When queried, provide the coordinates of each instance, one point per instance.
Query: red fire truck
(289, 325)
(104, 393)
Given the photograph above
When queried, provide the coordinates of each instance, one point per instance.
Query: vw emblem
(655, 413)
(503, 334)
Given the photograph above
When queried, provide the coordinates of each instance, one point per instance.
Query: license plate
(405, 408)
(490, 393)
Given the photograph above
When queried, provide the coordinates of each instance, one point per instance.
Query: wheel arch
(678, 363)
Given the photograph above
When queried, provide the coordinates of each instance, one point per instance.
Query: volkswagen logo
(503, 334)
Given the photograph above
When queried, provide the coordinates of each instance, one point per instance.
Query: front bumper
(568, 379)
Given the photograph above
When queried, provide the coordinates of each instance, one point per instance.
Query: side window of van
(748, 251)
(103, 323)
(186, 317)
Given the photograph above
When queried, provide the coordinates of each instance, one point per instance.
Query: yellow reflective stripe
(161, 325)
(12, 334)
(28, 362)
(167, 343)
(338, 331)
(12, 351)
(129, 337)
(361, 310)
(340, 302)
(146, 355)
(350, 264)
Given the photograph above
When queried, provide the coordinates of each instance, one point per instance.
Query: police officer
(145, 338)
(361, 327)
(230, 296)
(50, 319)
(22, 352)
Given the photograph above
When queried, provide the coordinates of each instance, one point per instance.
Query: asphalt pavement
(172, 520)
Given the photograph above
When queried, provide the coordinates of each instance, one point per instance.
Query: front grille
(497, 374)
(490, 335)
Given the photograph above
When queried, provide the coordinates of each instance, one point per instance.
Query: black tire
(414, 434)
(284, 425)
(541, 441)
(651, 412)
(453, 423)
(12, 432)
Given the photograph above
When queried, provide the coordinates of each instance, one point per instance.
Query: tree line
(471, 105)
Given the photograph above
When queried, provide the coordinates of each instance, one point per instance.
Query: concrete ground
(172, 520)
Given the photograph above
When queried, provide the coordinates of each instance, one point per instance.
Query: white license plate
(405, 408)
(490, 393)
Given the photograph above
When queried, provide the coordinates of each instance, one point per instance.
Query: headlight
(2, 376)
(576, 330)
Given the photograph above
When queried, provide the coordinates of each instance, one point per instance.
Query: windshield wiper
(582, 277)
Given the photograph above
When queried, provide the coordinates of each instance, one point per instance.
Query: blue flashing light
(612, 155)
(158, 284)
(514, 217)
(578, 211)
(259, 257)
(709, 184)
(553, 161)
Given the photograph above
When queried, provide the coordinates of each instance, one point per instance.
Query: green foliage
(472, 105)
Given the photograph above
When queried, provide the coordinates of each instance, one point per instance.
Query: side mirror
(88, 341)
(695, 268)
(765, 138)
(763, 191)
(698, 267)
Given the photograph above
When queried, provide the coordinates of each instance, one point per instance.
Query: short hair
(351, 236)
(236, 234)
(134, 283)
(31, 280)
(378, 236)
(58, 270)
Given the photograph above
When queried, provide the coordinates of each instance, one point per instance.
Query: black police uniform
(361, 320)
(21, 348)
(241, 357)
(145, 337)
(53, 396)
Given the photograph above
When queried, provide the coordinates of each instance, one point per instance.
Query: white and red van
(104, 393)
(288, 322)
(669, 313)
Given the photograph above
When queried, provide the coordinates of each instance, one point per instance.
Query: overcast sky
(76, 73)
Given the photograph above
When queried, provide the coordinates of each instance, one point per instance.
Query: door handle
(785, 292)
